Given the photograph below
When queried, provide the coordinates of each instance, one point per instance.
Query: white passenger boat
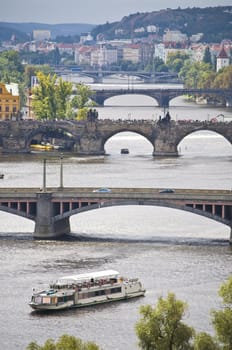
(86, 289)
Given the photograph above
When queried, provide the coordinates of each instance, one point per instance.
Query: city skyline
(89, 11)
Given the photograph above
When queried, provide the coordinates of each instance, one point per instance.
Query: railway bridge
(89, 137)
(51, 208)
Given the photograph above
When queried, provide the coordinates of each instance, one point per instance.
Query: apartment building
(9, 101)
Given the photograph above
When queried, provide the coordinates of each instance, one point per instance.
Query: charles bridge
(163, 96)
(89, 137)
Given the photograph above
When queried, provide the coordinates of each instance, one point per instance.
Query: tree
(63, 93)
(223, 79)
(44, 97)
(207, 56)
(82, 100)
(51, 97)
(161, 327)
(194, 73)
(175, 61)
(222, 319)
(65, 342)
(204, 341)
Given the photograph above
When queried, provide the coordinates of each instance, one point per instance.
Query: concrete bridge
(99, 75)
(163, 96)
(89, 137)
(51, 208)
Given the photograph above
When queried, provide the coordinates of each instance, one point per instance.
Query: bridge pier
(230, 240)
(164, 146)
(45, 226)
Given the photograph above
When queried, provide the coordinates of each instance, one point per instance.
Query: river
(169, 250)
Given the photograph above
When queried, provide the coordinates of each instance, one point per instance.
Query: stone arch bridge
(89, 138)
(163, 96)
(51, 208)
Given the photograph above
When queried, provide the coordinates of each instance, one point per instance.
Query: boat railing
(87, 284)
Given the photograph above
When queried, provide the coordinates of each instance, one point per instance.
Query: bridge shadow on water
(156, 240)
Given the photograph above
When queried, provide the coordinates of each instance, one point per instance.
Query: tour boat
(86, 289)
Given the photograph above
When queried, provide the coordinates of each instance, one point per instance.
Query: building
(223, 59)
(132, 53)
(9, 101)
(40, 35)
(173, 38)
(103, 56)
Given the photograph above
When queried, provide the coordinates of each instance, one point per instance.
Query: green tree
(63, 93)
(223, 79)
(204, 341)
(44, 97)
(207, 56)
(65, 342)
(222, 319)
(195, 74)
(82, 100)
(175, 61)
(161, 327)
(51, 97)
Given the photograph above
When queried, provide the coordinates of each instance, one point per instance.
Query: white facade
(40, 35)
(103, 57)
(174, 36)
(131, 53)
(223, 59)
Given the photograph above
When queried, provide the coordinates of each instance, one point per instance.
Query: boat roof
(85, 277)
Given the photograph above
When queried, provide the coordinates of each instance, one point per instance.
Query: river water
(169, 250)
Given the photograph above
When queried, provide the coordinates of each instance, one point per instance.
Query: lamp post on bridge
(44, 175)
(61, 171)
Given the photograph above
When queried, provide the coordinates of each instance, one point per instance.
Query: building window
(7, 109)
(0, 90)
(14, 109)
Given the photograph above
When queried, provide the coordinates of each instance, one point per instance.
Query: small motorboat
(124, 151)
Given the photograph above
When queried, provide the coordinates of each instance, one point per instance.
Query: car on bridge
(102, 190)
(167, 190)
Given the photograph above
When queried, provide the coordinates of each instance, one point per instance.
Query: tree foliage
(50, 97)
(176, 60)
(204, 341)
(65, 342)
(82, 100)
(223, 79)
(222, 319)
(161, 327)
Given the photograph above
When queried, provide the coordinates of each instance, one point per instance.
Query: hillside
(214, 22)
(22, 30)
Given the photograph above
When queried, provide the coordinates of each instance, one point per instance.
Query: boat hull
(70, 305)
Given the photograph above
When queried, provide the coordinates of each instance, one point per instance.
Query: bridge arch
(129, 100)
(111, 203)
(49, 132)
(128, 139)
(212, 130)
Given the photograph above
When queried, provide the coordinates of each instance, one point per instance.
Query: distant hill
(214, 22)
(22, 31)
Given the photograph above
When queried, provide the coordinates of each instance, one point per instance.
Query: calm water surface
(167, 249)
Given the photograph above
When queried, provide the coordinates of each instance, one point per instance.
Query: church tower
(223, 59)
